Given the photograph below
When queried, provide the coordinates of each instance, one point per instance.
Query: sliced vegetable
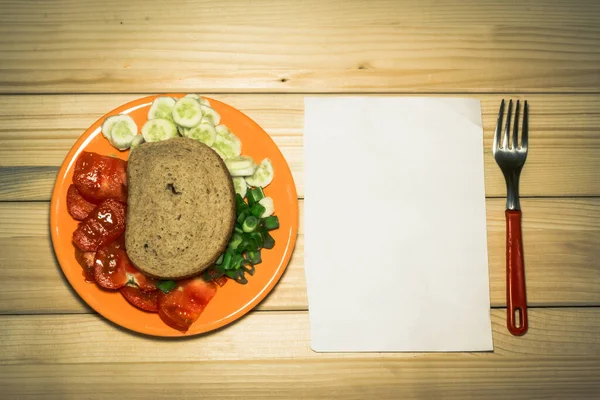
(108, 124)
(119, 130)
(240, 166)
(263, 174)
(255, 195)
(229, 148)
(268, 241)
(210, 115)
(254, 257)
(193, 96)
(142, 299)
(271, 222)
(250, 224)
(204, 132)
(187, 112)
(236, 240)
(225, 133)
(267, 203)
(182, 306)
(109, 267)
(162, 107)
(257, 210)
(239, 185)
(158, 129)
(137, 140)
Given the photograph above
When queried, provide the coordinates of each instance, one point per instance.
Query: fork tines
(514, 139)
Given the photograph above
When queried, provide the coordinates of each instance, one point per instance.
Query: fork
(511, 159)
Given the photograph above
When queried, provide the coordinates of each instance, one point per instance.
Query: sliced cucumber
(187, 112)
(204, 132)
(122, 131)
(108, 124)
(202, 100)
(228, 148)
(267, 203)
(219, 153)
(223, 131)
(162, 107)
(240, 166)
(263, 174)
(210, 115)
(137, 140)
(239, 184)
(158, 129)
(193, 96)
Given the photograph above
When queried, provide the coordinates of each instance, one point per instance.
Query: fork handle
(516, 297)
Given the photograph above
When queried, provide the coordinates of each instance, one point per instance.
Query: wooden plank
(77, 354)
(65, 339)
(37, 131)
(561, 256)
(338, 46)
(450, 379)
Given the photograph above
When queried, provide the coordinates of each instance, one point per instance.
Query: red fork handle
(516, 297)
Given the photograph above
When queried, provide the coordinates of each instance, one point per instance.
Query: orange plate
(233, 300)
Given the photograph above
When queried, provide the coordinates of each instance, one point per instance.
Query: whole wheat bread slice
(181, 208)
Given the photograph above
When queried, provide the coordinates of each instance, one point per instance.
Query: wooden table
(63, 64)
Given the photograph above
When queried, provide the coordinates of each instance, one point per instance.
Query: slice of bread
(180, 208)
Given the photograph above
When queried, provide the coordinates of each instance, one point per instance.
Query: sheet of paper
(395, 225)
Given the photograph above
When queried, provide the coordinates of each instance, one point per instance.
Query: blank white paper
(395, 225)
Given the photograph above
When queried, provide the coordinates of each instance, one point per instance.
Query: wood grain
(65, 339)
(83, 355)
(36, 132)
(562, 258)
(337, 46)
(475, 377)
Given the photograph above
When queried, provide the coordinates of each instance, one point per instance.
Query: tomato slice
(142, 299)
(86, 260)
(78, 207)
(182, 306)
(99, 177)
(109, 267)
(136, 277)
(104, 224)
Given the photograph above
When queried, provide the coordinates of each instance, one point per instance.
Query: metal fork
(510, 157)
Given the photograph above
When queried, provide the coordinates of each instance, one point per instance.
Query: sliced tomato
(136, 277)
(182, 306)
(104, 225)
(86, 260)
(221, 281)
(99, 177)
(78, 207)
(109, 267)
(142, 299)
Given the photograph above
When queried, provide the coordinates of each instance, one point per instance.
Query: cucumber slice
(193, 96)
(204, 101)
(223, 131)
(239, 184)
(240, 166)
(137, 140)
(122, 131)
(219, 153)
(158, 129)
(162, 107)
(204, 132)
(187, 112)
(210, 115)
(228, 148)
(263, 174)
(267, 203)
(108, 124)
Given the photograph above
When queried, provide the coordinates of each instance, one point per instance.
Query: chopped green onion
(257, 237)
(220, 259)
(254, 257)
(268, 241)
(257, 210)
(227, 260)
(271, 222)
(238, 229)
(241, 217)
(166, 286)
(236, 261)
(250, 224)
(235, 241)
(249, 268)
(255, 195)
